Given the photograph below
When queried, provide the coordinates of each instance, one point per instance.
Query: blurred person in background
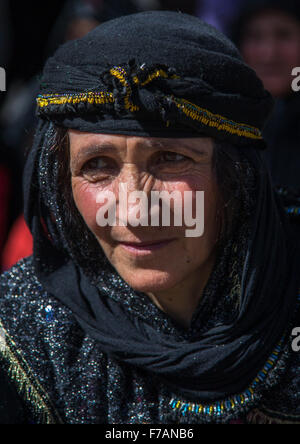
(268, 35)
(78, 17)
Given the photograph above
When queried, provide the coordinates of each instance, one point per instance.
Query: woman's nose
(134, 192)
(130, 175)
(137, 178)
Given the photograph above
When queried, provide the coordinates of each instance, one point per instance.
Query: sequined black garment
(60, 375)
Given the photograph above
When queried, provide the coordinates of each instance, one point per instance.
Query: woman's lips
(144, 248)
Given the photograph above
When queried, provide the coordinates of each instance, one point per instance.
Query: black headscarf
(148, 72)
(226, 358)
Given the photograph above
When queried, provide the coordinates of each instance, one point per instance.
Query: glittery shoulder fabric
(59, 375)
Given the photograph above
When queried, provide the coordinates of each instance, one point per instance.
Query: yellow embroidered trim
(120, 74)
(204, 116)
(99, 98)
(155, 75)
(27, 385)
(191, 110)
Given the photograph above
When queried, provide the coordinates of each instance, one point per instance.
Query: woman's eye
(98, 164)
(171, 157)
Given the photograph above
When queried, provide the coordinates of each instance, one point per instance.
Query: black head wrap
(176, 58)
(148, 72)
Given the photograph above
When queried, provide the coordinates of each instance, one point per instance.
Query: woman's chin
(150, 281)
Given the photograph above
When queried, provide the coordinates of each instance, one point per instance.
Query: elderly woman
(137, 323)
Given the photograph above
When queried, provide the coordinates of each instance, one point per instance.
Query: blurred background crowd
(267, 33)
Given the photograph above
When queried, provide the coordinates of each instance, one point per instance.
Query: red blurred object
(18, 245)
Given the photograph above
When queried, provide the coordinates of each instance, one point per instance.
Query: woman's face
(149, 258)
(271, 46)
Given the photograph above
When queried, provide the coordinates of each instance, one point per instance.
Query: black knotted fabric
(226, 358)
(153, 71)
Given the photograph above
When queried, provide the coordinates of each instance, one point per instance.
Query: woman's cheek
(85, 198)
(198, 179)
(201, 208)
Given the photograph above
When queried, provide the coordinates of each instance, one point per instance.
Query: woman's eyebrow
(88, 151)
(166, 145)
(91, 150)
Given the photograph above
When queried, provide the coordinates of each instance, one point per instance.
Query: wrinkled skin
(174, 270)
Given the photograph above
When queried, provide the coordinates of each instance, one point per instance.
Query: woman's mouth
(144, 248)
